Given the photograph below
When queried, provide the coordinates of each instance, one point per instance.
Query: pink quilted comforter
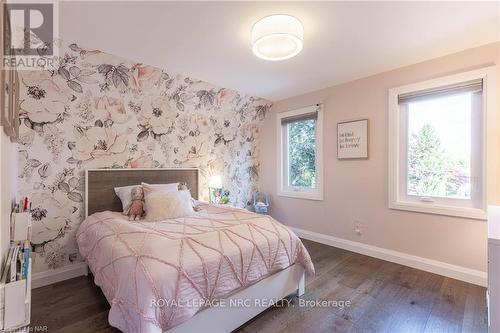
(157, 275)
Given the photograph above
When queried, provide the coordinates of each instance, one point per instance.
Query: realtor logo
(29, 34)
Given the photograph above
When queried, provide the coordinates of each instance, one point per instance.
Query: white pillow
(168, 205)
(149, 188)
(125, 195)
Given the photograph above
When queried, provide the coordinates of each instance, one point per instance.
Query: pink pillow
(148, 188)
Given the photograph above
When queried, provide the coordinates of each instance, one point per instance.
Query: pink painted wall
(357, 190)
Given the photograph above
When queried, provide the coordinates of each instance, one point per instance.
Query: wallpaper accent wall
(101, 111)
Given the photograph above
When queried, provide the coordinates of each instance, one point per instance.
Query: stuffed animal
(136, 209)
(183, 187)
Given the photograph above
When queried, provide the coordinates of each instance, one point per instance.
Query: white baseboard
(45, 278)
(438, 267)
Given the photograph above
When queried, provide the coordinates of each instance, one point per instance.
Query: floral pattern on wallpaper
(101, 111)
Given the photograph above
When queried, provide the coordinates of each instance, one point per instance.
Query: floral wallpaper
(97, 110)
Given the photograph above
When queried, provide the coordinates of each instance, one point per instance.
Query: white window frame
(489, 140)
(300, 192)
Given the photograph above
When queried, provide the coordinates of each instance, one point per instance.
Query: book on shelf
(16, 265)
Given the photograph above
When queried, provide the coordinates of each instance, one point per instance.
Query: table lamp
(215, 188)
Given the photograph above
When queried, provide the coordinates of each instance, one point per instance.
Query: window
(300, 147)
(437, 145)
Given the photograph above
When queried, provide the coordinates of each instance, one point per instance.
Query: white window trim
(489, 138)
(309, 194)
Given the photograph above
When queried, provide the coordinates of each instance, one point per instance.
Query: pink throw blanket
(157, 275)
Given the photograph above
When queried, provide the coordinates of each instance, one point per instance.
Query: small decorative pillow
(149, 188)
(125, 195)
(168, 205)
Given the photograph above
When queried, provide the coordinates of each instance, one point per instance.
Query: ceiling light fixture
(277, 37)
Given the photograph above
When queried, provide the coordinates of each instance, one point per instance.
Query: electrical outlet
(358, 228)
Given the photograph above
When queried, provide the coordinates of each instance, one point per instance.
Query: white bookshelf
(493, 293)
(15, 296)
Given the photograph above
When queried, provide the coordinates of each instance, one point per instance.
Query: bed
(211, 271)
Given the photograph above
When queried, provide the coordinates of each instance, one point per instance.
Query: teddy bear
(183, 187)
(136, 209)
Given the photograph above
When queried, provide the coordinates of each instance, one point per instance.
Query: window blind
(300, 117)
(472, 86)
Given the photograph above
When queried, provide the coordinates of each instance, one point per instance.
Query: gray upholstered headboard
(100, 183)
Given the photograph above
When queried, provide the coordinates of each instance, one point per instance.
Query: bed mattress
(156, 275)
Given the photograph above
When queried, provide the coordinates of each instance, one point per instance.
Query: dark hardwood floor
(385, 297)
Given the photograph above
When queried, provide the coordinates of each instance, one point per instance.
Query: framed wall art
(352, 139)
(9, 116)
(9, 85)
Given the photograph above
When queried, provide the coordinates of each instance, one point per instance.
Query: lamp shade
(277, 37)
(215, 181)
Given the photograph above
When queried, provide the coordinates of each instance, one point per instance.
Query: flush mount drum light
(277, 37)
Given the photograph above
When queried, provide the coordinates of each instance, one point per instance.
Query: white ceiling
(342, 40)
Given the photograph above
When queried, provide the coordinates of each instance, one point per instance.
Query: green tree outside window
(432, 171)
(302, 153)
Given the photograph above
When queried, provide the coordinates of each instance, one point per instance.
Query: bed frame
(100, 196)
